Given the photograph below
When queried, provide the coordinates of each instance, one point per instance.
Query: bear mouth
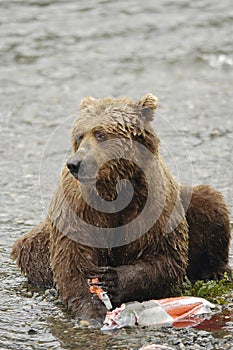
(86, 180)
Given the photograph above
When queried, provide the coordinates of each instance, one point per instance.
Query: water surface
(53, 53)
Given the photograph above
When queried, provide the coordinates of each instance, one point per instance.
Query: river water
(52, 54)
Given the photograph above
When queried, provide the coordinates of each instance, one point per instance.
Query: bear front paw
(108, 281)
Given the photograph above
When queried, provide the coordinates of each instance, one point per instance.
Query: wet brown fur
(152, 266)
(209, 233)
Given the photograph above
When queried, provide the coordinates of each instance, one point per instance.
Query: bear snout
(73, 165)
(83, 169)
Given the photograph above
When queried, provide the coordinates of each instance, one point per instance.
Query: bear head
(111, 139)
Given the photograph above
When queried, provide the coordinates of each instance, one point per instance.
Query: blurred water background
(52, 54)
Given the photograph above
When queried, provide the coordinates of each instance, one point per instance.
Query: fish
(182, 311)
(102, 295)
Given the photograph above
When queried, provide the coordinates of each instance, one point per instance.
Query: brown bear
(123, 219)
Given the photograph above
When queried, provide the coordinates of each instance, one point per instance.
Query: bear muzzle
(84, 169)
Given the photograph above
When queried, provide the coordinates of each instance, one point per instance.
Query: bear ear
(87, 101)
(148, 105)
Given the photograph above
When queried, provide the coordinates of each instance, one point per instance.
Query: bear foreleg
(156, 277)
(70, 262)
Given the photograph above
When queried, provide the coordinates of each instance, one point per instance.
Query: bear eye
(79, 138)
(100, 136)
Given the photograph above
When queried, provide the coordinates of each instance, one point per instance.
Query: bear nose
(73, 165)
